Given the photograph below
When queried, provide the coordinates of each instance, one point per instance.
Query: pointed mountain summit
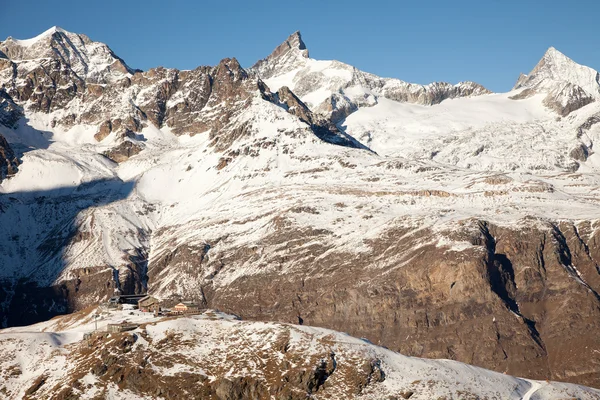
(293, 43)
(289, 55)
(569, 85)
(555, 66)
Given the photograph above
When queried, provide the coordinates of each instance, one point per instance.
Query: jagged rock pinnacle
(289, 55)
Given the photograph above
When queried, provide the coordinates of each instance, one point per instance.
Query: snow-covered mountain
(90, 61)
(568, 85)
(216, 356)
(424, 218)
(335, 89)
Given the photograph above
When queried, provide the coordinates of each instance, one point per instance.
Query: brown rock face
(568, 86)
(31, 303)
(291, 365)
(434, 93)
(123, 151)
(8, 161)
(510, 302)
(292, 57)
(580, 153)
(62, 72)
(338, 107)
(295, 106)
(103, 131)
(323, 128)
(10, 113)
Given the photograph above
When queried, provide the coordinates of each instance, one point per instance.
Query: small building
(133, 299)
(122, 327)
(149, 304)
(186, 307)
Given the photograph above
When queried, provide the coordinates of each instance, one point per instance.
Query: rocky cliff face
(51, 70)
(10, 113)
(463, 229)
(519, 291)
(8, 161)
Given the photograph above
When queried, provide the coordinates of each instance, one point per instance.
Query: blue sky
(487, 41)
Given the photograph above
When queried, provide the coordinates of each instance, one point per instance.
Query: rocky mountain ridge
(217, 356)
(335, 89)
(59, 71)
(424, 228)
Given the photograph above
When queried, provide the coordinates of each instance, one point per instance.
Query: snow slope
(43, 35)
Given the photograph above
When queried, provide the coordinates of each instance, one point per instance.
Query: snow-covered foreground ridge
(214, 356)
(422, 217)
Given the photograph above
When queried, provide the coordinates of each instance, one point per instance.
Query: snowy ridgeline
(217, 352)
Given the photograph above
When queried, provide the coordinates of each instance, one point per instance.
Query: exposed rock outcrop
(323, 128)
(123, 151)
(563, 100)
(68, 71)
(8, 162)
(10, 113)
(435, 252)
(580, 153)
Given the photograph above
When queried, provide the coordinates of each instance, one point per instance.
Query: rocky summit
(438, 220)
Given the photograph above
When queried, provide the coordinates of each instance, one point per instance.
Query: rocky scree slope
(466, 229)
(216, 356)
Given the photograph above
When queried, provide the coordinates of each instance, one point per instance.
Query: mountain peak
(553, 55)
(43, 35)
(289, 55)
(552, 51)
(568, 85)
(292, 45)
(294, 41)
(55, 29)
(556, 68)
(89, 60)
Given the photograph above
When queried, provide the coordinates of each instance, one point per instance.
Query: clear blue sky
(487, 41)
